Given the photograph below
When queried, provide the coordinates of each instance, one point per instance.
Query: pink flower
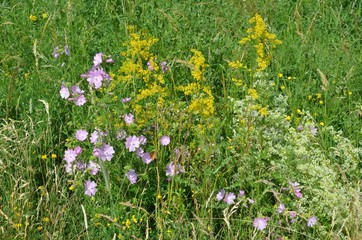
(95, 77)
(78, 150)
(143, 140)
(173, 170)
(64, 92)
(126, 100)
(165, 140)
(97, 60)
(109, 60)
(105, 152)
(81, 135)
(312, 221)
(241, 193)
(70, 155)
(146, 158)
(229, 198)
(220, 195)
(128, 118)
(56, 52)
(260, 223)
(164, 67)
(90, 188)
(281, 208)
(132, 142)
(298, 193)
(132, 176)
(80, 100)
(93, 167)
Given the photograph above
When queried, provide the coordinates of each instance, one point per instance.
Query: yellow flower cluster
(202, 102)
(262, 38)
(197, 61)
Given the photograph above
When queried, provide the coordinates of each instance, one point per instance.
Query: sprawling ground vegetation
(188, 119)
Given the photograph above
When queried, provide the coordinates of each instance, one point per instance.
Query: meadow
(166, 119)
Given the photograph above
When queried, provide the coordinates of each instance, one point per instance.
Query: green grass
(321, 51)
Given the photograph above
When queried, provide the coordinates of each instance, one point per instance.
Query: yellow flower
(289, 78)
(280, 75)
(252, 93)
(288, 118)
(45, 219)
(263, 112)
(349, 93)
(319, 95)
(53, 156)
(18, 225)
(299, 111)
(282, 87)
(45, 15)
(321, 102)
(33, 18)
(43, 157)
(26, 76)
(321, 124)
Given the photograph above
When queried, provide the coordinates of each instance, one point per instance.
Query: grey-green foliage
(329, 177)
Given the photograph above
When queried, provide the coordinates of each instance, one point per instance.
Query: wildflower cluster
(260, 37)
(202, 102)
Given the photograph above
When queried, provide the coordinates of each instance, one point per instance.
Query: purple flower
(281, 208)
(126, 100)
(95, 76)
(165, 140)
(220, 195)
(149, 65)
(260, 223)
(80, 100)
(81, 166)
(97, 60)
(76, 90)
(251, 201)
(128, 118)
(312, 221)
(109, 60)
(143, 140)
(229, 198)
(105, 152)
(139, 152)
(300, 127)
(132, 142)
(68, 167)
(146, 158)
(298, 193)
(96, 136)
(55, 52)
(70, 155)
(313, 130)
(90, 188)
(173, 170)
(81, 135)
(164, 66)
(241, 193)
(78, 150)
(64, 92)
(292, 214)
(93, 167)
(77, 96)
(66, 50)
(132, 176)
